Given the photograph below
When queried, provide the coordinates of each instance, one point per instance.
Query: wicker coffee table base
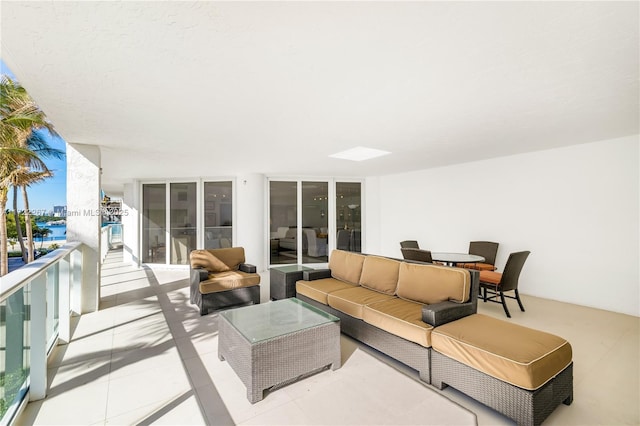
(269, 363)
(524, 406)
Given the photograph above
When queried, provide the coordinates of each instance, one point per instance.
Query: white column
(249, 213)
(83, 216)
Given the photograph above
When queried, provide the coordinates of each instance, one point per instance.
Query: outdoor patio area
(148, 357)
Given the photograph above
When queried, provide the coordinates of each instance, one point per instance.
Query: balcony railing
(36, 304)
(111, 237)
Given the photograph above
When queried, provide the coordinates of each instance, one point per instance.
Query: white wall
(250, 218)
(575, 208)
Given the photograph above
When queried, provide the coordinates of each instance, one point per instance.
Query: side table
(282, 280)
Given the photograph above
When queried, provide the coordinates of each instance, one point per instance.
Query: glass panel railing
(28, 334)
(14, 349)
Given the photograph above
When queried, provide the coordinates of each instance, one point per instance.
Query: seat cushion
(518, 355)
(380, 274)
(352, 300)
(346, 266)
(318, 290)
(228, 280)
(490, 277)
(400, 317)
(478, 266)
(429, 284)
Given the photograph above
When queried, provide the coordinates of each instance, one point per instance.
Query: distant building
(60, 211)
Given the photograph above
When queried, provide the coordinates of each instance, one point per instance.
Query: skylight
(359, 153)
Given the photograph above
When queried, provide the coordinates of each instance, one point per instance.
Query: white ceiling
(223, 88)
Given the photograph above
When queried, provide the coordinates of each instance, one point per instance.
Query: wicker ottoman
(521, 372)
(275, 343)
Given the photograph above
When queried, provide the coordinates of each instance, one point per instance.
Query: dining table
(452, 259)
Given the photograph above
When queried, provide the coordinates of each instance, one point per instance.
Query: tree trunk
(4, 254)
(18, 227)
(27, 224)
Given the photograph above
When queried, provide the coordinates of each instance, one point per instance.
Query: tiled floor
(147, 357)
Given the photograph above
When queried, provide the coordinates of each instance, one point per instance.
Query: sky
(53, 191)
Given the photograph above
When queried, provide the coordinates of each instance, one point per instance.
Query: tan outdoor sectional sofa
(425, 316)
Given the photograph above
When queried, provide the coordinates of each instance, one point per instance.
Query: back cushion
(380, 274)
(346, 266)
(218, 260)
(205, 259)
(433, 284)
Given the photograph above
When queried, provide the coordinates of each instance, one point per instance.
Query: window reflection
(348, 216)
(218, 215)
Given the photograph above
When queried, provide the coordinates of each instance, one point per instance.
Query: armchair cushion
(228, 280)
(207, 260)
(478, 266)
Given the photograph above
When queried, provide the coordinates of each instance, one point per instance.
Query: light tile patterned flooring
(147, 357)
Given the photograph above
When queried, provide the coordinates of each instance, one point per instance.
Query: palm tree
(19, 117)
(21, 178)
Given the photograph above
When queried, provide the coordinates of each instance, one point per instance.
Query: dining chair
(496, 283)
(412, 253)
(486, 249)
(409, 244)
(343, 239)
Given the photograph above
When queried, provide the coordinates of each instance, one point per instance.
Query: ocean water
(58, 232)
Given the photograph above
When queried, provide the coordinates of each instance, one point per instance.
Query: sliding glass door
(348, 216)
(178, 217)
(154, 216)
(283, 222)
(218, 218)
(308, 218)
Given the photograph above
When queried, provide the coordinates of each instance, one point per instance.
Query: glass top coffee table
(278, 342)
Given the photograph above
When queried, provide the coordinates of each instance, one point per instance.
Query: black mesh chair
(495, 283)
(409, 253)
(409, 244)
(486, 249)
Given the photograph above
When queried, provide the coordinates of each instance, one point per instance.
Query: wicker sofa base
(208, 302)
(411, 354)
(524, 406)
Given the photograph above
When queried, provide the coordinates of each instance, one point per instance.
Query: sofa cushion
(380, 274)
(351, 301)
(518, 355)
(228, 280)
(400, 317)
(207, 260)
(318, 290)
(346, 266)
(433, 284)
